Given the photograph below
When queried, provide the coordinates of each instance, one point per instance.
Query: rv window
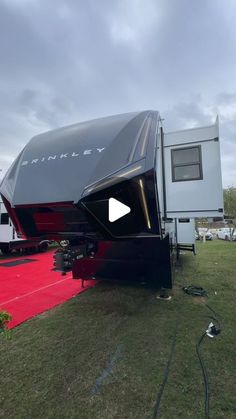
(4, 218)
(186, 164)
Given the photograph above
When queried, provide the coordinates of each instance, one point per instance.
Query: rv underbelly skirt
(147, 260)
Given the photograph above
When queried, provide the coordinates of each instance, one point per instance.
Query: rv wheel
(43, 247)
(29, 250)
(5, 250)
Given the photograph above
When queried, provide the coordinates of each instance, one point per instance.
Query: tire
(29, 250)
(43, 247)
(5, 250)
(227, 238)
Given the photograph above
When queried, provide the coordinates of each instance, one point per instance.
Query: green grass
(50, 366)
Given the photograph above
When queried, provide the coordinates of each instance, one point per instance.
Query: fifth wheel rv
(64, 184)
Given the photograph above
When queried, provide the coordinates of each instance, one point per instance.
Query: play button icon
(117, 210)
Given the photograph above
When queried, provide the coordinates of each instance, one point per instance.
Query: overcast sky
(65, 61)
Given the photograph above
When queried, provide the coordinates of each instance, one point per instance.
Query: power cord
(211, 331)
(205, 375)
(166, 373)
(195, 290)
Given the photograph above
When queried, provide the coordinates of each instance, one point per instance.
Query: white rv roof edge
(190, 129)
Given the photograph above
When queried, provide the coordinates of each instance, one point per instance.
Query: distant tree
(230, 207)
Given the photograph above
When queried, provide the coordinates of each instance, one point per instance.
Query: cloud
(200, 112)
(67, 61)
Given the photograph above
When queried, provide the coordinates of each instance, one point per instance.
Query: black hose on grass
(166, 373)
(211, 331)
(205, 375)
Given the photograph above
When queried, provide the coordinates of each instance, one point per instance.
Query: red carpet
(29, 289)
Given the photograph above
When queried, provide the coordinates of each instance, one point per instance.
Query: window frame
(199, 163)
(4, 216)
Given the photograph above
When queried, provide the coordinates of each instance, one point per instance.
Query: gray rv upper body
(65, 164)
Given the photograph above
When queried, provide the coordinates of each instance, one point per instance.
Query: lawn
(103, 354)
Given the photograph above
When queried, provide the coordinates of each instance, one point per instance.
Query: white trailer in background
(9, 240)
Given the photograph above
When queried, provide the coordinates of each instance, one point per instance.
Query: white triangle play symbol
(117, 210)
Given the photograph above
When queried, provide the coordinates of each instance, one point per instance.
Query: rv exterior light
(144, 202)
